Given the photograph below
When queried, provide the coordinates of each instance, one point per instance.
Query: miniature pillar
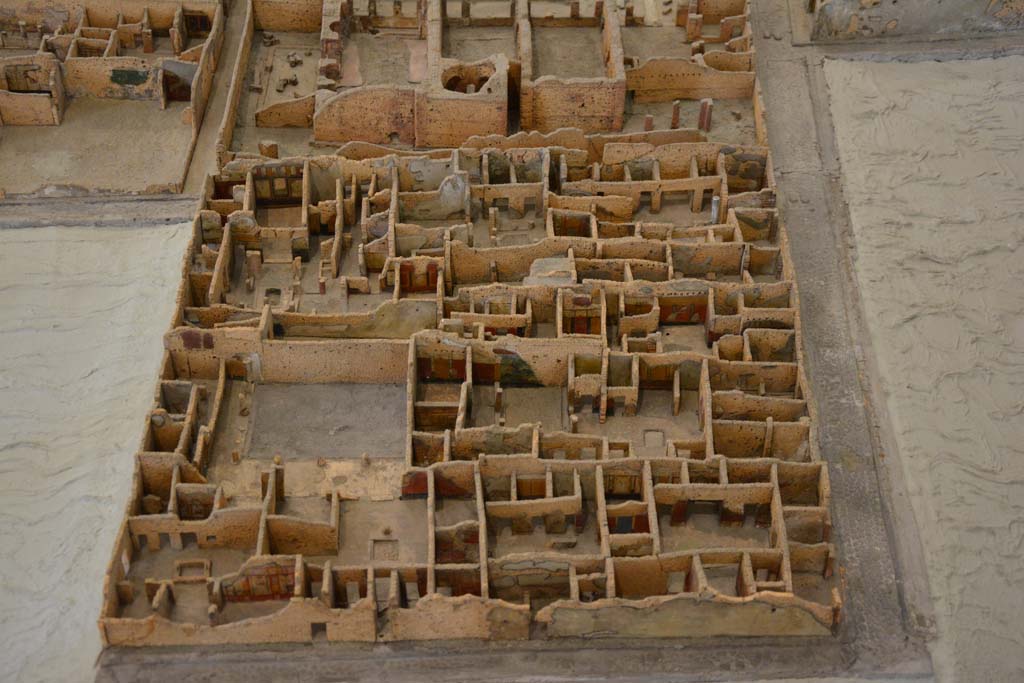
(362, 262)
(704, 122)
(649, 122)
(678, 513)
(731, 514)
(677, 398)
(675, 114)
(253, 264)
(492, 217)
(268, 148)
(716, 203)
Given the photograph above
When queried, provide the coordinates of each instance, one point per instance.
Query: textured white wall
(82, 314)
(933, 169)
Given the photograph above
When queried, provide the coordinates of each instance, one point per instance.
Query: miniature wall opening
(570, 224)
(88, 47)
(278, 193)
(197, 24)
(468, 78)
(26, 78)
(177, 80)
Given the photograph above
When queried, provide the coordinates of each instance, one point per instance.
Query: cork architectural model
(487, 329)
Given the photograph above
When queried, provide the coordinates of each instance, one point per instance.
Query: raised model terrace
(105, 96)
(521, 359)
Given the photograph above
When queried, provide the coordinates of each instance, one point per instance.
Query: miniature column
(704, 122)
(253, 264)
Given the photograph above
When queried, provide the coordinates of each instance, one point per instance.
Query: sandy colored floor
(933, 163)
(81, 313)
(88, 150)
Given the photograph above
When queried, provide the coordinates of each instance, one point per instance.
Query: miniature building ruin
(520, 359)
(154, 60)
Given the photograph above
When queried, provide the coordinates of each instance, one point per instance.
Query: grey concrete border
(101, 211)
(801, 23)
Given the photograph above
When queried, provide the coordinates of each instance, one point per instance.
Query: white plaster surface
(82, 312)
(933, 169)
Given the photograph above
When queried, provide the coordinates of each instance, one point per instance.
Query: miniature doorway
(237, 368)
(176, 88)
(197, 23)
